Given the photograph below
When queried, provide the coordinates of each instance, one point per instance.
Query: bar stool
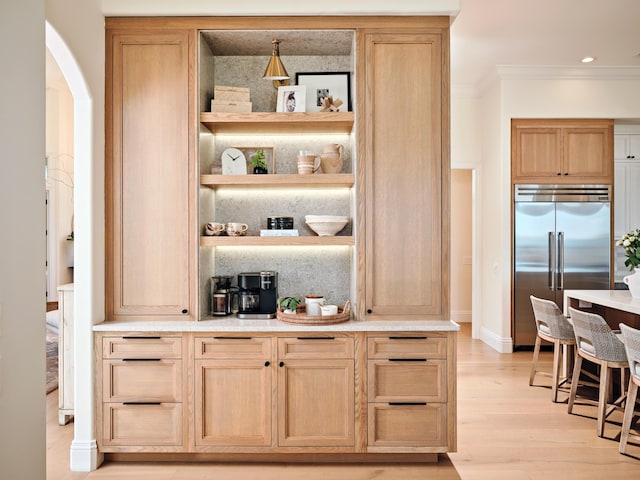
(553, 327)
(597, 343)
(631, 338)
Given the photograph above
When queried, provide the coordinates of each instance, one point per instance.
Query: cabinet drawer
(419, 346)
(142, 424)
(233, 347)
(142, 381)
(142, 347)
(406, 426)
(407, 381)
(315, 347)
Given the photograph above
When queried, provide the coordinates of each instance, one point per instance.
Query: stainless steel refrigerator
(562, 240)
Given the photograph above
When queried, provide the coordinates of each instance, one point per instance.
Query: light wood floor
(506, 431)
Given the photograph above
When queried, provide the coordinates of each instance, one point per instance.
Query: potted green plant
(289, 304)
(257, 160)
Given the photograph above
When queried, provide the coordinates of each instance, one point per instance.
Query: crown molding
(553, 72)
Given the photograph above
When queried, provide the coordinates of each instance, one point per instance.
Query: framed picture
(323, 84)
(269, 157)
(291, 99)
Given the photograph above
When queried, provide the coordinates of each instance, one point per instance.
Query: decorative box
(232, 94)
(230, 106)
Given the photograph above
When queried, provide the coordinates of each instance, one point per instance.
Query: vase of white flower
(631, 245)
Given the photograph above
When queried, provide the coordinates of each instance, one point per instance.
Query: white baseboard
(461, 316)
(499, 344)
(84, 456)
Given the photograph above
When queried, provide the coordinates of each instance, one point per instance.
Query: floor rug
(52, 360)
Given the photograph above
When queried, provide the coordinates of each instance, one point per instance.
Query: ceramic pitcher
(633, 281)
(332, 157)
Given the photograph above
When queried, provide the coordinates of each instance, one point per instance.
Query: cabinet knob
(184, 310)
(267, 363)
(369, 310)
(566, 173)
(281, 364)
(559, 173)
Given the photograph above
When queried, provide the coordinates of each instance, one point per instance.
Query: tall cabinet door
(405, 168)
(148, 165)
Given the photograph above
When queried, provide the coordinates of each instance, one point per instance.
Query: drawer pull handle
(141, 359)
(142, 403)
(407, 338)
(407, 359)
(140, 338)
(316, 338)
(393, 404)
(233, 338)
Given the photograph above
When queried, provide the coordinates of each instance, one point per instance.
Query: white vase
(633, 281)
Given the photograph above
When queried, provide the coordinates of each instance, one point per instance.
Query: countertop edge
(617, 299)
(237, 325)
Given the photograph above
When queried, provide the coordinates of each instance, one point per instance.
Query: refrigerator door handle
(560, 260)
(552, 261)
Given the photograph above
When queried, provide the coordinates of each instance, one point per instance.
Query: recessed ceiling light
(588, 59)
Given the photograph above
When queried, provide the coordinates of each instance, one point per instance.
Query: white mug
(213, 228)
(235, 229)
(329, 310)
(313, 304)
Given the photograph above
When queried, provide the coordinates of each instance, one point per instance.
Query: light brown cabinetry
(409, 388)
(404, 167)
(233, 397)
(140, 399)
(149, 175)
(577, 151)
(316, 391)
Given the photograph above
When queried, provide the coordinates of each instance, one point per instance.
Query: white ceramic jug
(633, 281)
(332, 158)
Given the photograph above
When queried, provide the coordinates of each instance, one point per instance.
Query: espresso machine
(257, 294)
(222, 295)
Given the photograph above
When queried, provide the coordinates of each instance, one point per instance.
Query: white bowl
(326, 225)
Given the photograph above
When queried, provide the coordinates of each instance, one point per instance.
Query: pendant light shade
(275, 69)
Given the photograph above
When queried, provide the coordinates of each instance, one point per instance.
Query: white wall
(22, 245)
(544, 92)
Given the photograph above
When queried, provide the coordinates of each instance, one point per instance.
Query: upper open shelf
(278, 122)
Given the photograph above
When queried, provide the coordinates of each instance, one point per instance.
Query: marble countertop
(233, 324)
(618, 299)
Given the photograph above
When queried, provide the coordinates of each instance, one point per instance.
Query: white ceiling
(487, 33)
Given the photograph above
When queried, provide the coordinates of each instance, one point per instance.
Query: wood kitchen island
(267, 391)
(615, 306)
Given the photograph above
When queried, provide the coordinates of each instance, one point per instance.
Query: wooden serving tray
(301, 317)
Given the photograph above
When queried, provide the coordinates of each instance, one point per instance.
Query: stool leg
(556, 370)
(603, 396)
(577, 366)
(536, 352)
(628, 415)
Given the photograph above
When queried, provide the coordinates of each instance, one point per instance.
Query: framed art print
(291, 99)
(320, 85)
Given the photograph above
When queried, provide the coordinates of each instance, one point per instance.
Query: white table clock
(233, 162)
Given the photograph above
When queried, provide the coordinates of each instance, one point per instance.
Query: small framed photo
(324, 84)
(267, 152)
(291, 99)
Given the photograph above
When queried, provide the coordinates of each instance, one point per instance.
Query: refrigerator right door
(534, 263)
(584, 243)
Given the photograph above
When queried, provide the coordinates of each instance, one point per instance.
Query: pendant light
(275, 69)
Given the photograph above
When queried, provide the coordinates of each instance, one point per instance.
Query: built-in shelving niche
(238, 58)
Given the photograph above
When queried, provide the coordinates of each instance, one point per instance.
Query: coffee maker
(222, 295)
(257, 295)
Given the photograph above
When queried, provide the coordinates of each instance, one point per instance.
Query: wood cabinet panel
(431, 346)
(148, 175)
(406, 427)
(233, 403)
(233, 347)
(142, 347)
(142, 424)
(405, 163)
(315, 347)
(142, 381)
(316, 403)
(564, 151)
(407, 381)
